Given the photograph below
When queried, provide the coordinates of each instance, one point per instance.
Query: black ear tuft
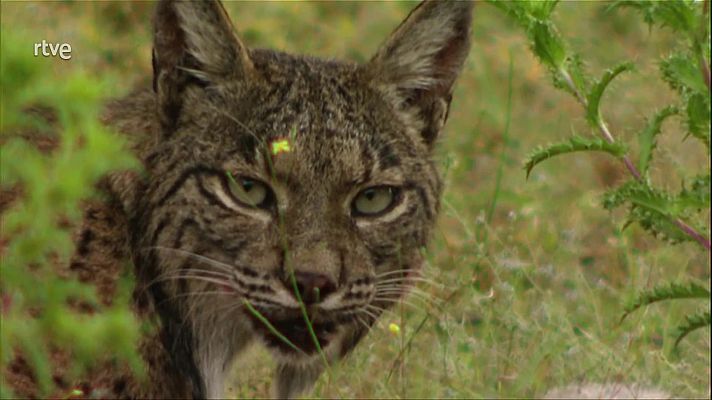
(418, 64)
(194, 42)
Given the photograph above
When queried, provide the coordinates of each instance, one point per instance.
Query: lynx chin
(284, 199)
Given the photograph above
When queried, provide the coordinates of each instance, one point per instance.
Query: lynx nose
(313, 287)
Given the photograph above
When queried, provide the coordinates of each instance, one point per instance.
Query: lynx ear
(417, 66)
(194, 43)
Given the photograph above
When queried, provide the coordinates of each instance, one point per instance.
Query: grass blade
(271, 327)
(505, 141)
(303, 309)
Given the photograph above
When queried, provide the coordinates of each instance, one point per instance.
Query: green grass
(544, 273)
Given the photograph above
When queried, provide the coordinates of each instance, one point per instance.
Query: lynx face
(278, 180)
(347, 207)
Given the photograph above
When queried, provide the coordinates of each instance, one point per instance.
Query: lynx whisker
(411, 291)
(405, 289)
(196, 275)
(199, 278)
(397, 301)
(402, 271)
(381, 310)
(207, 260)
(193, 294)
(198, 294)
(178, 274)
(364, 310)
(411, 279)
(413, 302)
(191, 273)
(358, 318)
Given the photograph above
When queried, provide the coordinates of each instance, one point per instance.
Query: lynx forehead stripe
(280, 146)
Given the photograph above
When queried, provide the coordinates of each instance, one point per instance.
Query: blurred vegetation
(533, 271)
(36, 311)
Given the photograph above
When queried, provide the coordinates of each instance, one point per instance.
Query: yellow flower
(394, 328)
(280, 146)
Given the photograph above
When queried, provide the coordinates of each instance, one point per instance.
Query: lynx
(273, 185)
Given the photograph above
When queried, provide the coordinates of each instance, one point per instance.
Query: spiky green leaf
(693, 322)
(666, 291)
(655, 210)
(646, 139)
(517, 10)
(534, 16)
(680, 15)
(541, 9)
(547, 44)
(680, 70)
(523, 12)
(698, 117)
(574, 144)
(698, 194)
(593, 98)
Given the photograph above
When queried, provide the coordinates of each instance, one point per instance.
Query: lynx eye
(250, 191)
(375, 200)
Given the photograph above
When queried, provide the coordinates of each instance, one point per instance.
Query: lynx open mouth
(296, 331)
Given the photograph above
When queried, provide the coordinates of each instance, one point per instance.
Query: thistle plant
(672, 217)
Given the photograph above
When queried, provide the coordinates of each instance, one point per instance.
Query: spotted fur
(199, 254)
